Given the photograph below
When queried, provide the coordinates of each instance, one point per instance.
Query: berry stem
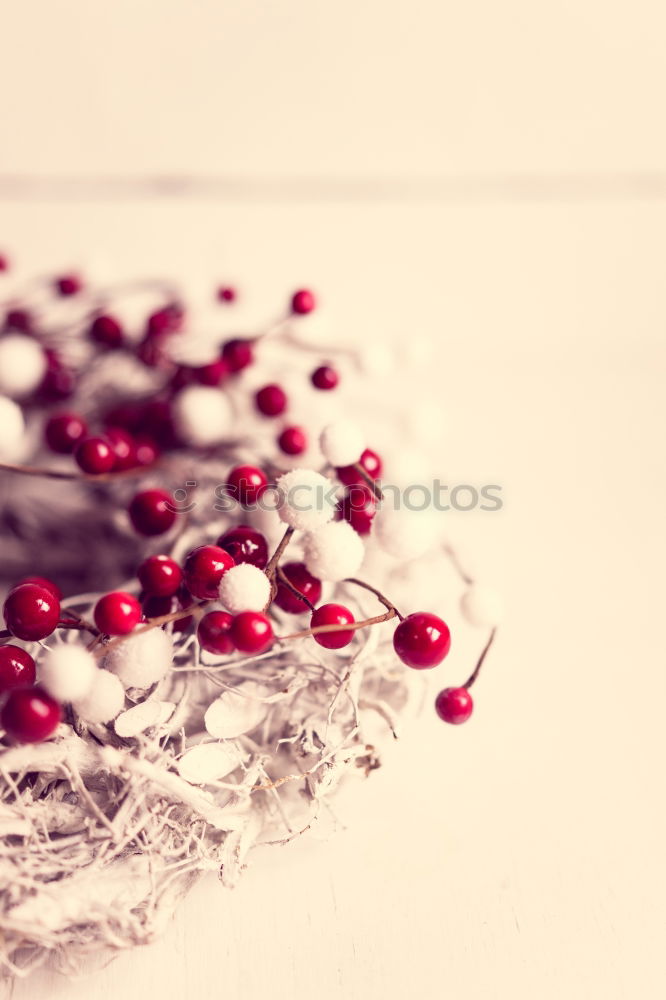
(340, 628)
(457, 565)
(79, 624)
(378, 594)
(479, 663)
(372, 483)
(284, 579)
(275, 558)
(32, 470)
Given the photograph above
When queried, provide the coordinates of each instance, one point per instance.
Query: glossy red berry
(31, 612)
(214, 632)
(300, 578)
(293, 441)
(64, 431)
(325, 377)
(42, 581)
(251, 632)
(359, 507)
(117, 613)
(152, 512)
(30, 715)
(213, 373)
(303, 302)
(203, 569)
(123, 447)
(107, 331)
(370, 461)
(333, 614)
(95, 456)
(226, 293)
(18, 319)
(271, 400)
(454, 705)
(160, 576)
(68, 284)
(238, 354)
(246, 483)
(422, 640)
(246, 545)
(17, 668)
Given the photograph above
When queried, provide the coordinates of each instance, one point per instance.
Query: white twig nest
(236, 712)
(105, 699)
(482, 606)
(342, 442)
(203, 415)
(22, 364)
(244, 588)
(141, 659)
(12, 429)
(68, 672)
(334, 552)
(307, 499)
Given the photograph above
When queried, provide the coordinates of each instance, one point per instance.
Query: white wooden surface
(521, 855)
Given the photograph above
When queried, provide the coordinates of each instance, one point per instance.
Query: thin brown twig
(104, 477)
(378, 594)
(479, 663)
(284, 579)
(352, 626)
(372, 483)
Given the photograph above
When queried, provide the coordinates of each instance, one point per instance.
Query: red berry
(30, 715)
(147, 451)
(226, 293)
(333, 614)
(214, 632)
(152, 352)
(68, 284)
(251, 632)
(422, 640)
(246, 483)
(123, 447)
(59, 382)
(359, 507)
(293, 441)
(246, 545)
(164, 321)
(271, 400)
(17, 668)
(300, 578)
(369, 460)
(303, 302)
(156, 420)
(42, 581)
(31, 612)
(18, 319)
(238, 354)
(95, 456)
(454, 705)
(152, 512)
(204, 568)
(107, 331)
(117, 613)
(212, 374)
(64, 431)
(4, 262)
(325, 377)
(160, 576)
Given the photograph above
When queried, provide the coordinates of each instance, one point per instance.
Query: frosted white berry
(68, 672)
(244, 588)
(482, 606)
(142, 659)
(203, 415)
(404, 534)
(104, 701)
(307, 499)
(334, 551)
(342, 442)
(12, 429)
(22, 364)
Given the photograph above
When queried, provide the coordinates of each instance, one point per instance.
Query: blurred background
(487, 182)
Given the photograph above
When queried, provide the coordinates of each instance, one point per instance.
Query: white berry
(402, 533)
(12, 429)
(22, 364)
(203, 415)
(334, 551)
(142, 659)
(342, 442)
(307, 499)
(244, 588)
(104, 701)
(68, 672)
(482, 606)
